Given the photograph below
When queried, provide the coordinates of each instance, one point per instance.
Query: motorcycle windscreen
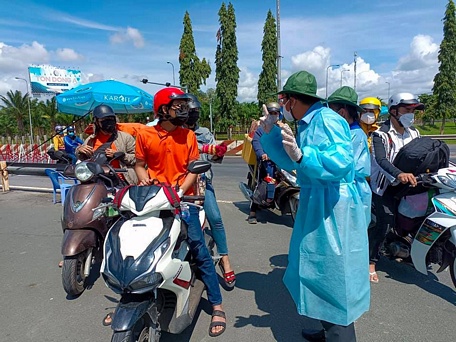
(143, 200)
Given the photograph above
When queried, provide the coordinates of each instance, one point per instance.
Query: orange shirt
(99, 140)
(131, 128)
(167, 154)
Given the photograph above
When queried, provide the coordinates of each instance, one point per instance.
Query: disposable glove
(216, 150)
(267, 121)
(289, 143)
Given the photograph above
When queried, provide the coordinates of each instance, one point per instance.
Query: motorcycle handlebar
(192, 198)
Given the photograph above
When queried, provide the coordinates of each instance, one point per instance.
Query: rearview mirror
(199, 166)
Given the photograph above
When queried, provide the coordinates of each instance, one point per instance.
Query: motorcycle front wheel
(453, 271)
(128, 336)
(73, 278)
(294, 204)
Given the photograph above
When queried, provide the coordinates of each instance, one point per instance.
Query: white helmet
(406, 99)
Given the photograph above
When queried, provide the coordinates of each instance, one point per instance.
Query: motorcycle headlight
(82, 172)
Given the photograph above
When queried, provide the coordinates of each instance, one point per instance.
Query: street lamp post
(341, 75)
(387, 99)
(174, 78)
(329, 66)
(210, 113)
(30, 113)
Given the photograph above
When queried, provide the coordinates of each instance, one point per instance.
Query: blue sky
(397, 41)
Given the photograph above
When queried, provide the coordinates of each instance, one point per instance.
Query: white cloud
(130, 34)
(66, 54)
(248, 86)
(423, 53)
(13, 59)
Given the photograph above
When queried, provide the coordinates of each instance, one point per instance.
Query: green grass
(428, 129)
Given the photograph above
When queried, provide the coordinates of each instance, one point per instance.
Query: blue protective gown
(327, 273)
(362, 167)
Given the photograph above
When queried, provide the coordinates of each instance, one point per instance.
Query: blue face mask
(71, 134)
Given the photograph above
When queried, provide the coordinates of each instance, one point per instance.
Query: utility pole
(387, 99)
(279, 62)
(354, 59)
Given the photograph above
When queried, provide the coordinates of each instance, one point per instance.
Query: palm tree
(16, 105)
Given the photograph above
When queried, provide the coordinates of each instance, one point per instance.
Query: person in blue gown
(344, 101)
(326, 274)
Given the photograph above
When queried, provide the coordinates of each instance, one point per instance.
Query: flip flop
(217, 313)
(372, 276)
(108, 316)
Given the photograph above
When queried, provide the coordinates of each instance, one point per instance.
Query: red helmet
(165, 96)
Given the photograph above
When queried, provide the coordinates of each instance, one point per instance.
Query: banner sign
(45, 79)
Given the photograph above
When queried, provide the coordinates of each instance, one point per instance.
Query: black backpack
(421, 155)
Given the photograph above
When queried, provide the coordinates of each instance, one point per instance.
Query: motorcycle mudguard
(128, 313)
(431, 229)
(76, 241)
(283, 196)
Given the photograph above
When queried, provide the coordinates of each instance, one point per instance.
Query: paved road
(406, 306)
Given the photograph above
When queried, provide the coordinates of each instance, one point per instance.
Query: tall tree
(16, 106)
(445, 80)
(227, 71)
(267, 82)
(192, 72)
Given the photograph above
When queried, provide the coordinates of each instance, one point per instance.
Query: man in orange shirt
(167, 149)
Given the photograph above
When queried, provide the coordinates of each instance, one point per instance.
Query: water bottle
(185, 212)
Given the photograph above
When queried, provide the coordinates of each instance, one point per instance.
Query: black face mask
(193, 117)
(108, 125)
(181, 116)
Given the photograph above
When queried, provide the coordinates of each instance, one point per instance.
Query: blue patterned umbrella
(122, 97)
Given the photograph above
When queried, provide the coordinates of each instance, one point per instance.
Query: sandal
(228, 277)
(213, 324)
(108, 319)
(373, 277)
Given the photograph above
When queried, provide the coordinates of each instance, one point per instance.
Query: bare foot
(373, 277)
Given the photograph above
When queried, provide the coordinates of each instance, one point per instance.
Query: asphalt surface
(405, 305)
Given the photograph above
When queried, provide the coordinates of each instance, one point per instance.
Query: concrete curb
(30, 188)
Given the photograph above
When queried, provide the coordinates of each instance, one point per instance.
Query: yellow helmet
(371, 103)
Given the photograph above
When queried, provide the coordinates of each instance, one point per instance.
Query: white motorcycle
(147, 261)
(435, 240)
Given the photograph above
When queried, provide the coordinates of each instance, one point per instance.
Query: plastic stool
(64, 187)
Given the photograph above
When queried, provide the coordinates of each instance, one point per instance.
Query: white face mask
(407, 120)
(368, 118)
(286, 114)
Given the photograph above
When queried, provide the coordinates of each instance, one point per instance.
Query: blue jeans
(215, 219)
(73, 158)
(203, 258)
